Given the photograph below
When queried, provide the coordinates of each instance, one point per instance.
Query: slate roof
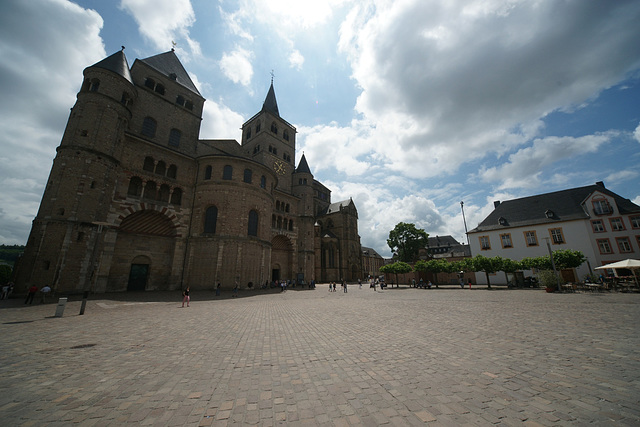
(116, 63)
(370, 252)
(440, 241)
(270, 104)
(549, 208)
(335, 207)
(303, 166)
(168, 63)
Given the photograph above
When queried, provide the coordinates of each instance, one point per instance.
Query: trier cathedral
(136, 201)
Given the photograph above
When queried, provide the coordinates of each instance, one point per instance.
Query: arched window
(95, 84)
(135, 187)
(210, 219)
(163, 194)
(159, 89)
(172, 172)
(180, 100)
(227, 172)
(285, 135)
(207, 172)
(273, 221)
(247, 134)
(247, 176)
(279, 222)
(161, 168)
(149, 127)
(176, 197)
(274, 128)
(150, 190)
(149, 164)
(174, 137)
(189, 105)
(290, 225)
(263, 182)
(258, 127)
(253, 223)
(286, 208)
(148, 82)
(277, 205)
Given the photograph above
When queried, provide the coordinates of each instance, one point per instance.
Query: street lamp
(465, 222)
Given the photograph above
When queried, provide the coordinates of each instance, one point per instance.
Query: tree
(396, 268)
(435, 266)
(488, 265)
(5, 274)
(510, 266)
(568, 258)
(405, 240)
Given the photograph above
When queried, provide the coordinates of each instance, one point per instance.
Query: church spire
(270, 103)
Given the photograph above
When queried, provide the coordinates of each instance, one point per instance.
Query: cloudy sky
(406, 106)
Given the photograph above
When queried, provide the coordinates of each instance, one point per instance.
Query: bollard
(62, 303)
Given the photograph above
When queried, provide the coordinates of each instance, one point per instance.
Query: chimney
(496, 204)
(600, 183)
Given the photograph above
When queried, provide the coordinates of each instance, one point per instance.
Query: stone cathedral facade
(136, 201)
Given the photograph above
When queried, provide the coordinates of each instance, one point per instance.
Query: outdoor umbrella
(630, 264)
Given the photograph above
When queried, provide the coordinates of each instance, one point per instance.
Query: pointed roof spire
(270, 103)
(303, 166)
(116, 63)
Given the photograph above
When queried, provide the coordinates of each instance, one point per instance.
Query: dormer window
(601, 207)
(502, 221)
(549, 213)
(173, 76)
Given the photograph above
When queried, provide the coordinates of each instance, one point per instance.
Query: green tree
(405, 240)
(396, 268)
(488, 265)
(568, 258)
(5, 274)
(510, 266)
(435, 266)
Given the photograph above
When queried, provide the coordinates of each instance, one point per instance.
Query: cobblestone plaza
(309, 357)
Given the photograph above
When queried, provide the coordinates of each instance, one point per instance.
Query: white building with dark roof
(604, 226)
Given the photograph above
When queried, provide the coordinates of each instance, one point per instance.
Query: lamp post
(465, 222)
(553, 264)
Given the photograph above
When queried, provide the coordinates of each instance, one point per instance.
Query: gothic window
(247, 176)
(176, 197)
(172, 172)
(210, 220)
(149, 127)
(227, 172)
(207, 172)
(149, 164)
(174, 137)
(263, 182)
(150, 190)
(274, 128)
(163, 194)
(253, 223)
(135, 187)
(161, 168)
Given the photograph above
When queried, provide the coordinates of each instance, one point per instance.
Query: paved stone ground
(399, 357)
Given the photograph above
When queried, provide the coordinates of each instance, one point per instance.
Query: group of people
(332, 286)
(33, 290)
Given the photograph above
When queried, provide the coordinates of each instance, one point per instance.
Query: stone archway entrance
(281, 258)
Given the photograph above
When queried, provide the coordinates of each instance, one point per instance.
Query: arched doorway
(281, 258)
(139, 274)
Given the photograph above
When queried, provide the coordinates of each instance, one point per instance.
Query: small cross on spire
(272, 76)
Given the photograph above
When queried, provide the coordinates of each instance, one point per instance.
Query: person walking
(185, 297)
(46, 290)
(31, 293)
(235, 290)
(344, 286)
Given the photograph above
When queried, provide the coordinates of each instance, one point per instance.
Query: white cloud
(163, 22)
(296, 60)
(444, 83)
(523, 168)
(636, 133)
(219, 122)
(236, 66)
(621, 176)
(37, 92)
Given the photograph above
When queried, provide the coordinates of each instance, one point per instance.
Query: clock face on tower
(279, 167)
